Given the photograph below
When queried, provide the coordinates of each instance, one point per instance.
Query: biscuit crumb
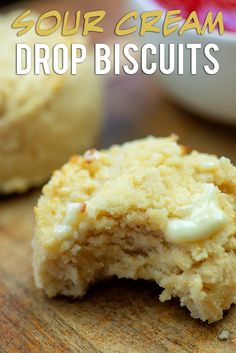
(83, 207)
(164, 296)
(186, 149)
(174, 136)
(224, 335)
(74, 159)
(91, 155)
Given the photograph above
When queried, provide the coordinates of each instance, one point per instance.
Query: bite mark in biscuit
(114, 220)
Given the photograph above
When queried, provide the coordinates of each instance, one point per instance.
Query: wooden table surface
(118, 316)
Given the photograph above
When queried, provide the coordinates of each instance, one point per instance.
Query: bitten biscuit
(148, 209)
(44, 119)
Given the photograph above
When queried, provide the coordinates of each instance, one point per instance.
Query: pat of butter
(205, 218)
(210, 164)
(72, 212)
(62, 230)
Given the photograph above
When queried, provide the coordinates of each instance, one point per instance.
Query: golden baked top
(153, 183)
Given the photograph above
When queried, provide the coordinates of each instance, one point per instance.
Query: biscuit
(149, 210)
(44, 119)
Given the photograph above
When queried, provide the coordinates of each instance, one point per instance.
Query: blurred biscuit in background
(43, 118)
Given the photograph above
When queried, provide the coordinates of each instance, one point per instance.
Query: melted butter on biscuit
(71, 217)
(205, 218)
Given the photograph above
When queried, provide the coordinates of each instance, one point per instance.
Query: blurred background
(137, 106)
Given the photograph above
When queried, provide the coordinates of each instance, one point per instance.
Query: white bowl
(211, 95)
